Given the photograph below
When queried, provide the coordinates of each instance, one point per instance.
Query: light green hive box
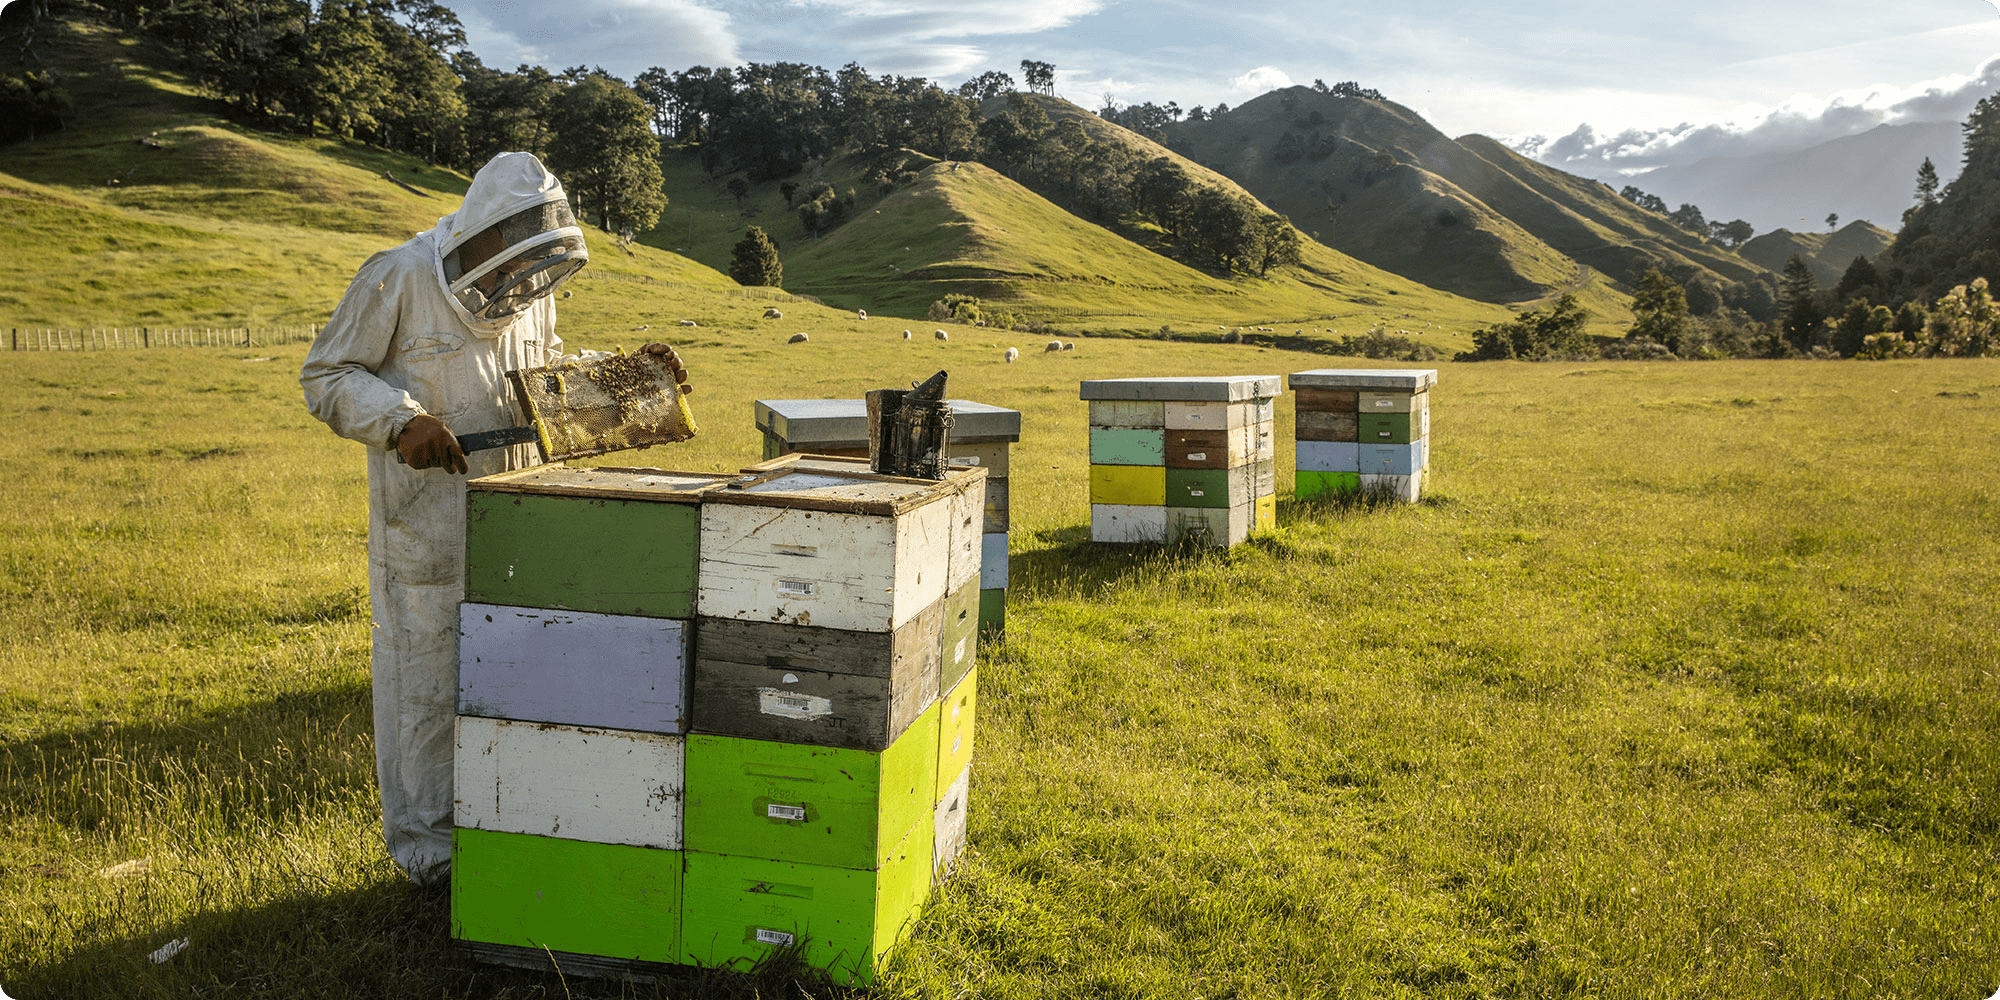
(523, 891)
(740, 909)
(816, 805)
(585, 540)
(1318, 484)
(1128, 446)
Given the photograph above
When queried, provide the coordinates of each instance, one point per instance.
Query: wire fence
(117, 338)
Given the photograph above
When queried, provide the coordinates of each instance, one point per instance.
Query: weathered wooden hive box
(1362, 429)
(982, 436)
(1175, 458)
(783, 763)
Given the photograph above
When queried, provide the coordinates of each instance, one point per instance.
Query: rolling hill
(1829, 254)
(1373, 179)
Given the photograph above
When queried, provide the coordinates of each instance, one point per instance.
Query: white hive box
(598, 785)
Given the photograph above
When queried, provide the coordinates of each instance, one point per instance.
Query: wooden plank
(1185, 416)
(582, 554)
(1379, 379)
(1384, 428)
(1405, 488)
(1257, 442)
(818, 686)
(990, 455)
(844, 422)
(1313, 483)
(1220, 527)
(1128, 485)
(1328, 456)
(968, 528)
(1389, 459)
(948, 828)
(1128, 413)
(566, 896)
(1128, 523)
(820, 805)
(1219, 488)
(1391, 402)
(841, 492)
(956, 718)
(1126, 446)
(1327, 400)
(741, 909)
(571, 667)
(993, 560)
(1209, 388)
(602, 785)
(1212, 449)
(994, 514)
(960, 643)
(1326, 426)
(1263, 478)
(662, 485)
(993, 610)
(807, 567)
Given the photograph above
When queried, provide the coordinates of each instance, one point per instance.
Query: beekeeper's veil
(514, 209)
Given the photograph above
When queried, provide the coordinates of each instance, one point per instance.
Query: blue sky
(1652, 82)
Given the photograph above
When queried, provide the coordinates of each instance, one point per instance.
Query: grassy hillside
(1829, 254)
(1375, 180)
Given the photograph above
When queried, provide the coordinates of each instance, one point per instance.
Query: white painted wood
(948, 827)
(844, 422)
(993, 561)
(573, 667)
(1375, 401)
(1264, 478)
(1184, 416)
(1223, 527)
(1255, 441)
(604, 786)
(1404, 488)
(988, 455)
(1129, 414)
(807, 567)
(1129, 523)
(968, 527)
(1379, 379)
(1213, 388)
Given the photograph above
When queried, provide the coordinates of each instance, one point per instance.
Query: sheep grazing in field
(689, 322)
(1012, 353)
(906, 334)
(941, 335)
(1069, 346)
(642, 326)
(774, 313)
(1053, 346)
(799, 338)
(860, 314)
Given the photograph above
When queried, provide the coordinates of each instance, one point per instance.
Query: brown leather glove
(426, 443)
(674, 362)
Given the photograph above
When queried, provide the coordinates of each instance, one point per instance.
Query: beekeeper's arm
(339, 379)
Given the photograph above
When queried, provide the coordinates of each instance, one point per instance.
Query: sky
(1600, 89)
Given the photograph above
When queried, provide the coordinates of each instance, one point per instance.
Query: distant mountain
(1372, 179)
(1870, 176)
(1829, 255)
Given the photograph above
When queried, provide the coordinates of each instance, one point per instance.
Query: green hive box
(585, 540)
(1384, 428)
(1315, 484)
(741, 909)
(817, 805)
(536, 893)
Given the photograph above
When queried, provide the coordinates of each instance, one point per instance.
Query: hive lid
(1195, 389)
(817, 486)
(1411, 380)
(806, 461)
(843, 423)
(617, 483)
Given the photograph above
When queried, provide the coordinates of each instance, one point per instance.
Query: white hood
(509, 183)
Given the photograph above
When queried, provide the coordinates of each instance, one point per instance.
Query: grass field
(1680, 683)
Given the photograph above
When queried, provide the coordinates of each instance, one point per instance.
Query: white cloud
(959, 18)
(1261, 80)
(1796, 124)
(623, 36)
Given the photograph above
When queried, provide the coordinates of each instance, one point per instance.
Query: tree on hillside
(1279, 246)
(941, 125)
(32, 102)
(1535, 336)
(603, 148)
(1649, 202)
(1659, 310)
(1798, 293)
(754, 261)
(1732, 234)
(989, 84)
(1689, 217)
(1832, 221)
(1041, 76)
(505, 111)
(1927, 184)
(1860, 279)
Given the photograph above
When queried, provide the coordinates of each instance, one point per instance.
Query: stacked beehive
(1175, 458)
(981, 437)
(1366, 429)
(820, 786)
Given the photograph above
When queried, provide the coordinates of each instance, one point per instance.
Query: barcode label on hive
(776, 811)
(791, 705)
(795, 588)
(779, 938)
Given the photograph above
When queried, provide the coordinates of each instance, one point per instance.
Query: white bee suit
(398, 344)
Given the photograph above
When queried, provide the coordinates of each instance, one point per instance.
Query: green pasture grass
(1679, 682)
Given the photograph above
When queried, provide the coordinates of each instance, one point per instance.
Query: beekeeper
(415, 353)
